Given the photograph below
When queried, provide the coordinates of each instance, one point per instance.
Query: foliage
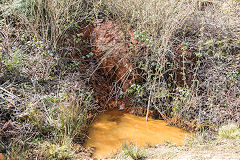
(16, 62)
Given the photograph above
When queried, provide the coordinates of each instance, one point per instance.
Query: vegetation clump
(131, 151)
(231, 131)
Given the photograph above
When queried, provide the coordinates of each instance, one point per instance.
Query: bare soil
(219, 149)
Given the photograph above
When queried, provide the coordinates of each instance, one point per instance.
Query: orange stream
(113, 128)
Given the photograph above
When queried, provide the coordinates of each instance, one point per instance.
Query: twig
(149, 101)
(9, 93)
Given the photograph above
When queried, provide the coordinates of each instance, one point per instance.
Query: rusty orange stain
(1, 156)
(113, 128)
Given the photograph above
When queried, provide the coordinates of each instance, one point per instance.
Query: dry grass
(47, 20)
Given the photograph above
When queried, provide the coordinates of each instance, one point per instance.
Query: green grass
(131, 151)
(231, 131)
(61, 150)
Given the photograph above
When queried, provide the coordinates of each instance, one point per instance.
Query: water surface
(112, 128)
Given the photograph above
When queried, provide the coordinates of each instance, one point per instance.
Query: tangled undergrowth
(183, 63)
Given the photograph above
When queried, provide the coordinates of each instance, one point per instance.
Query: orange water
(1, 156)
(113, 128)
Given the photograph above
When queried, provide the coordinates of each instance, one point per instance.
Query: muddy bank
(112, 55)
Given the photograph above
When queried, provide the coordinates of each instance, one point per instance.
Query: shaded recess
(104, 51)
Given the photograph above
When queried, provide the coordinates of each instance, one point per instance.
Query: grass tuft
(59, 150)
(131, 151)
(230, 131)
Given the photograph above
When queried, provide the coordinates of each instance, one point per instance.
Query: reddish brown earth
(1, 156)
(112, 53)
(109, 66)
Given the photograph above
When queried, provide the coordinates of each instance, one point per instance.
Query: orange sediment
(113, 128)
(1, 156)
